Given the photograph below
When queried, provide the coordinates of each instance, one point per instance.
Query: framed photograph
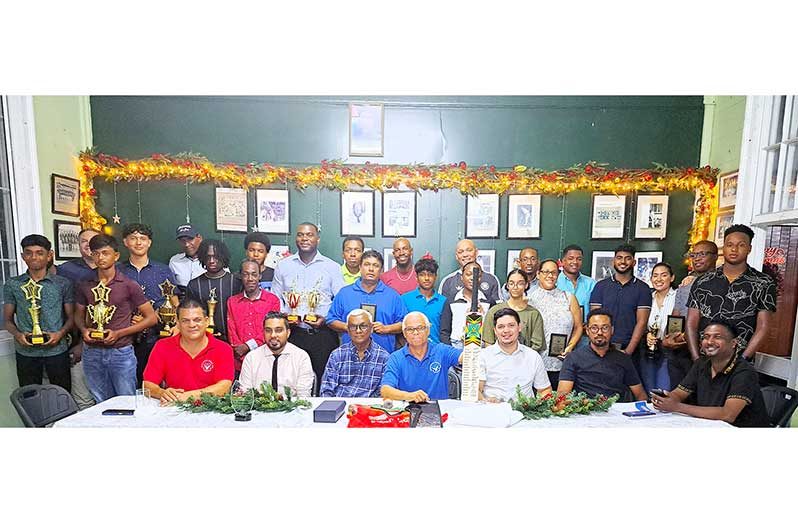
(276, 253)
(487, 260)
(523, 216)
(675, 324)
(482, 216)
(66, 195)
(512, 260)
(727, 190)
(645, 262)
(399, 214)
(722, 222)
(272, 206)
(608, 215)
(389, 260)
(231, 209)
(366, 126)
(602, 265)
(67, 243)
(652, 216)
(357, 213)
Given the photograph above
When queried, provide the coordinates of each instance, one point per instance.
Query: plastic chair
(780, 403)
(41, 405)
(455, 382)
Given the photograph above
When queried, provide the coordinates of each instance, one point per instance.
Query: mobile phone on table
(639, 413)
(118, 412)
(659, 392)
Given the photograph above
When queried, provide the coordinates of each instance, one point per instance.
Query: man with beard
(278, 362)
(597, 368)
(627, 298)
(308, 272)
(403, 277)
(529, 263)
(466, 252)
(722, 386)
(186, 265)
(736, 293)
(353, 248)
(572, 280)
(256, 247)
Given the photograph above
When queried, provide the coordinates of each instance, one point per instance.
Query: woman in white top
(653, 363)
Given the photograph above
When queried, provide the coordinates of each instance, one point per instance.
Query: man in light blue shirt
(424, 298)
(572, 280)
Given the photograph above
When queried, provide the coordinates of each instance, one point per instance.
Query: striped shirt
(226, 286)
(346, 376)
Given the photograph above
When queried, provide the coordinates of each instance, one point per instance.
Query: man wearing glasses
(355, 369)
(599, 369)
(704, 256)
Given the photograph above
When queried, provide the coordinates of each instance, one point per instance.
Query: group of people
(356, 330)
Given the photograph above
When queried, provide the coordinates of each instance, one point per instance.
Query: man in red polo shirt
(190, 363)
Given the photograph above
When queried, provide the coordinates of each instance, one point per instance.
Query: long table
(460, 415)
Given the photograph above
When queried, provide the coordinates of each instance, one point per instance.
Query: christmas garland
(265, 400)
(562, 406)
(592, 177)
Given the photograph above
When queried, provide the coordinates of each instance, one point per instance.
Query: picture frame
(727, 190)
(65, 193)
(231, 209)
(388, 259)
(357, 213)
(675, 324)
(512, 260)
(722, 222)
(276, 253)
(652, 216)
(272, 207)
(486, 258)
(523, 216)
(557, 344)
(366, 129)
(482, 216)
(644, 264)
(602, 265)
(608, 216)
(399, 214)
(67, 241)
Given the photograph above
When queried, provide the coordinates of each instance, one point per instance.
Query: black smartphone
(118, 412)
(659, 392)
(638, 413)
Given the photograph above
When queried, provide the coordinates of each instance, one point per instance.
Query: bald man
(466, 252)
(401, 278)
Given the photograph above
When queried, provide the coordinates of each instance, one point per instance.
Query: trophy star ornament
(33, 295)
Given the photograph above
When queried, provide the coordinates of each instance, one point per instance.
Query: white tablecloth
(460, 415)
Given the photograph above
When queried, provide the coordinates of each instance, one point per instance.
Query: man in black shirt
(722, 386)
(256, 247)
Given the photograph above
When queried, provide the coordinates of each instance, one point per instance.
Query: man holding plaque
(111, 300)
(38, 310)
(372, 295)
(306, 283)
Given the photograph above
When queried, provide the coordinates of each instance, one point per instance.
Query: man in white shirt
(507, 364)
(277, 362)
(186, 265)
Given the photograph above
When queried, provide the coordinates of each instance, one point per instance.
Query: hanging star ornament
(116, 218)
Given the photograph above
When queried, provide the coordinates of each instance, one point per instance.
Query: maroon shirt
(125, 294)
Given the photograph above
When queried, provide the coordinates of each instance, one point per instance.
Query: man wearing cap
(185, 265)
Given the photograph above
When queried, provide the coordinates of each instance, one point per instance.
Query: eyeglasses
(359, 327)
(515, 284)
(548, 273)
(416, 330)
(701, 254)
(595, 328)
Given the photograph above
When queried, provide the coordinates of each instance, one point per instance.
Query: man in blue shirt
(420, 370)
(424, 298)
(572, 280)
(355, 369)
(368, 292)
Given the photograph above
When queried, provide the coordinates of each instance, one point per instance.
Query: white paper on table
(484, 415)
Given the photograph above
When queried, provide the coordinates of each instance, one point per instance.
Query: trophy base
(36, 339)
(97, 335)
(165, 333)
(311, 318)
(244, 417)
(293, 318)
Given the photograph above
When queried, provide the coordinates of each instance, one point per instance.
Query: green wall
(545, 132)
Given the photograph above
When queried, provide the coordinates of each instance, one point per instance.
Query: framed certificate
(675, 324)
(371, 309)
(557, 343)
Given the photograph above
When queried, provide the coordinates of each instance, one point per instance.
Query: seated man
(507, 363)
(278, 362)
(355, 369)
(721, 385)
(190, 363)
(597, 368)
(419, 370)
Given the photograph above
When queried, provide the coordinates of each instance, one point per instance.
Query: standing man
(466, 252)
(83, 268)
(52, 300)
(425, 299)
(572, 280)
(736, 293)
(529, 263)
(403, 277)
(186, 265)
(149, 274)
(109, 362)
(704, 256)
(353, 248)
(453, 316)
(215, 284)
(627, 298)
(245, 312)
(256, 247)
(370, 293)
(308, 272)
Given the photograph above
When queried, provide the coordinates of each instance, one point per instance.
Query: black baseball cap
(186, 231)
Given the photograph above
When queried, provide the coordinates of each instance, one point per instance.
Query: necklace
(409, 274)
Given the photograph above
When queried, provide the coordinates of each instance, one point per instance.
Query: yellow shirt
(349, 278)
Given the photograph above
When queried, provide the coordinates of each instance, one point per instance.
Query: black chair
(455, 382)
(41, 405)
(780, 403)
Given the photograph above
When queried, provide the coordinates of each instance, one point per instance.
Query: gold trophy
(101, 312)
(33, 294)
(292, 298)
(167, 311)
(313, 298)
(212, 301)
(654, 331)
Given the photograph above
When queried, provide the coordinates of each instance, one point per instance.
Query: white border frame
(603, 254)
(523, 233)
(646, 254)
(645, 201)
(273, 195)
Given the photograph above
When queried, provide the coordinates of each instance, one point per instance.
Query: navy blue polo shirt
(592, 374)
(623, 301)
(405, 372)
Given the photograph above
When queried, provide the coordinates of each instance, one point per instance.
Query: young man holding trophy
(104, 311)
(38, 312)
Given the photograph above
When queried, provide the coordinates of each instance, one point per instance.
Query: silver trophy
(242, 400)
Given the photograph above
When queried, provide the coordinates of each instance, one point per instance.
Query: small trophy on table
(33, 294)
(313, 298)
(292, 298)
(100, 313)
(167, 311)
(212, 301)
